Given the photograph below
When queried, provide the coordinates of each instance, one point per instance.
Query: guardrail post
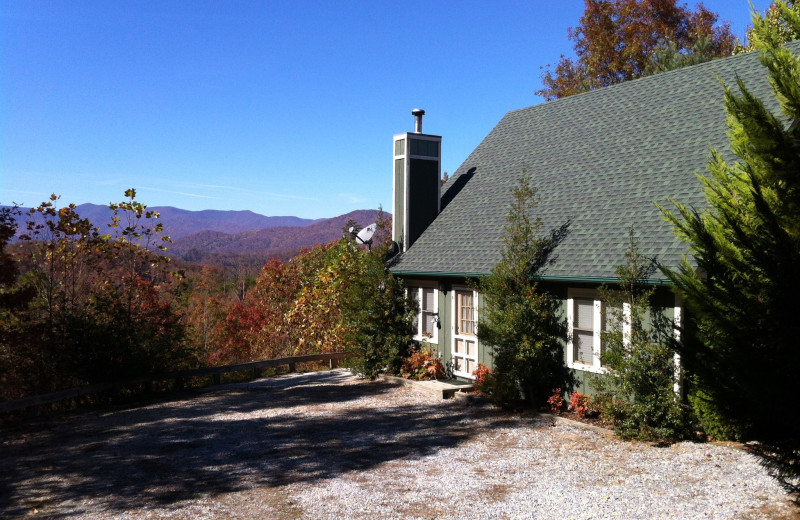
(291, 366)
(216, 379)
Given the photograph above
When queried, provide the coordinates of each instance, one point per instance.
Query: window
(426, 323)
(586, 317)
(583, 331)
(465, 342)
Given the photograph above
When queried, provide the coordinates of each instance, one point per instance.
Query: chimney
(416, 183)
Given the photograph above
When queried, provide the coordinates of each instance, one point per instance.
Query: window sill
(587, 368)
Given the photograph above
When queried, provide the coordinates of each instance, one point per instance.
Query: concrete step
(437, 388)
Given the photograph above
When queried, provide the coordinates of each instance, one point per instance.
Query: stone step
(438, 388)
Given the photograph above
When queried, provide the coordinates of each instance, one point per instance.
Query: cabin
(602, 160)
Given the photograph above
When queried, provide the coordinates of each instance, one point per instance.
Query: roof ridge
(652, 77)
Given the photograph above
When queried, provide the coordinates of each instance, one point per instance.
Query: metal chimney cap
(418, 113)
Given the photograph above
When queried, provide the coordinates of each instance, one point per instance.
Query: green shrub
(636, 394)
(711, 421)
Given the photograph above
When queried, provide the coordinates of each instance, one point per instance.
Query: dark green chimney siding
(423, 199)
(424, 148)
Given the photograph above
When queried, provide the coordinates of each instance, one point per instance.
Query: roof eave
(546, 278)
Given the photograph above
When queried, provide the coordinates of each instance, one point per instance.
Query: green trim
(598, 280)
(435, 274)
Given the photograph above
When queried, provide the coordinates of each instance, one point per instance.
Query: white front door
(465, 325)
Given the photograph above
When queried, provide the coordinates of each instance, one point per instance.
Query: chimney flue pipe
(418, 113)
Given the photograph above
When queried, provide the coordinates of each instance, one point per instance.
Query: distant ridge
(179, 223)
(282, 242)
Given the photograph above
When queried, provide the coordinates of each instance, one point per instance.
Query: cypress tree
(522, 322)
(743, 296)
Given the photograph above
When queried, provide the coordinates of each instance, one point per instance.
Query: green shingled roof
(602, 159)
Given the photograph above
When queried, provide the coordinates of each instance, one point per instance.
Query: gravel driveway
(326, 445)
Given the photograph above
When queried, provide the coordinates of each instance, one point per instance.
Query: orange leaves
(616, 40)
(296, 306)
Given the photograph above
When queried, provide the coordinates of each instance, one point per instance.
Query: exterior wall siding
(664, 299)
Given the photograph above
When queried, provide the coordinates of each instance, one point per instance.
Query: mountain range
(179, 223)
(224, 237)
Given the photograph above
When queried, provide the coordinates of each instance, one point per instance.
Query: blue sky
(279, 107)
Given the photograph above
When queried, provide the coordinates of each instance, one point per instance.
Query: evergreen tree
(743, 294)
(784, 31)
(520, 321)
(637, 392)
(377, 311)
(667, 56)
(379, 314)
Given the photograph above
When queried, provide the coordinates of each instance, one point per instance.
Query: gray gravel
(327, 446)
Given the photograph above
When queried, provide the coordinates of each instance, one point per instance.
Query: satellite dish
(365, 235)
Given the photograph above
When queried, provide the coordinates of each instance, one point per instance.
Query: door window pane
(465, 312)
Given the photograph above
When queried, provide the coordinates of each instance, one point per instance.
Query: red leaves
(422, 366)
(583, 405)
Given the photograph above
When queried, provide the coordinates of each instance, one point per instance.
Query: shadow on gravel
(228, 439)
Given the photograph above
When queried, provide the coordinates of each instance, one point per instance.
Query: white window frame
(418, 286)
(597, 340)
(455, 335)
(677, 386)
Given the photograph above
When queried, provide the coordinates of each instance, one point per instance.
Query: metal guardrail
(215, 372)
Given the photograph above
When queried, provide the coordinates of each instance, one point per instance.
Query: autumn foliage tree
(100, 305)
(204, 304)
(334, 297)
(97, 303)
(616, 41)
(258, 327)
(15, 364)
